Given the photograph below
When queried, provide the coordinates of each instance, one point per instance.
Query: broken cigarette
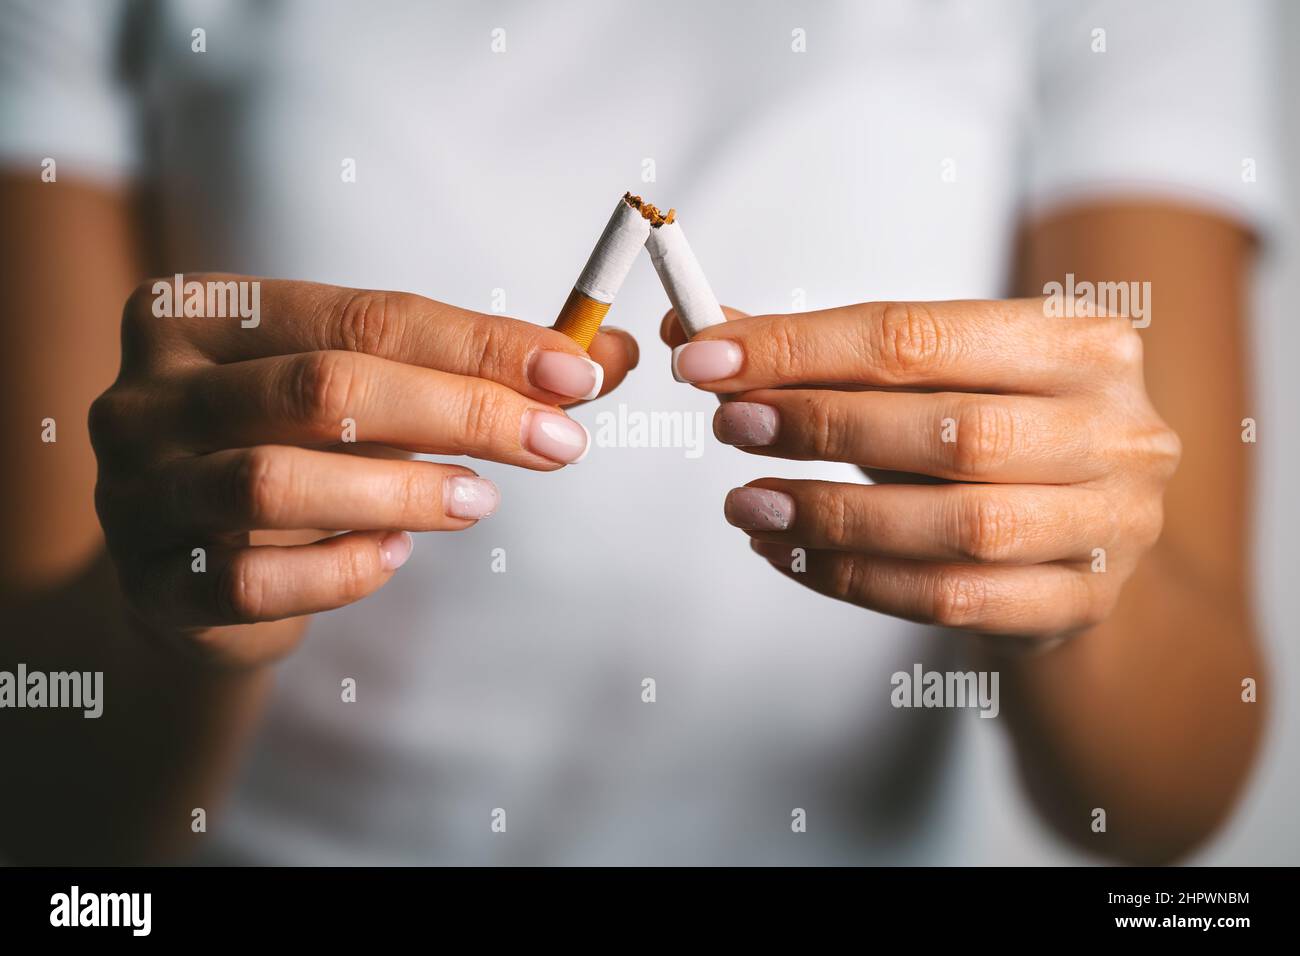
(608, 266)
(683, 279)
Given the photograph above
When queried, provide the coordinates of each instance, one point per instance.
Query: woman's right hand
(217, 428)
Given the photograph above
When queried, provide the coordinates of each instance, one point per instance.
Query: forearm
(122, 787)
(1142, 716)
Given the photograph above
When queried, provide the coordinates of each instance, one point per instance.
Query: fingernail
(556, 437)
(470, 497)
(746, 423)
(758, 509)
(394, 549)
(706, 361)
(575, 376)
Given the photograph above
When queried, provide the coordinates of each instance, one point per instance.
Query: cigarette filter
(608, 266)
(683, 279)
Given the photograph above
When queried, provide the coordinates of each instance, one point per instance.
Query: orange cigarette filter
(581, 317)
(610, 262)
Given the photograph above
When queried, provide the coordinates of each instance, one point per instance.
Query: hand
(214, 430)
(1051, 460)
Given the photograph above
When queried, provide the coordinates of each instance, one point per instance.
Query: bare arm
(120, 787)
(227, 437)
(1062, 438)
(1143, 715)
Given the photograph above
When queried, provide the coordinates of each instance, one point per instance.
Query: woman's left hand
(1052, 461)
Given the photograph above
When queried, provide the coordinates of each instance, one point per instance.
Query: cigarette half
(683, 279)
(603, 276)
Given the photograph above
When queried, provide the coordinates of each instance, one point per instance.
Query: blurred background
(1266, 828)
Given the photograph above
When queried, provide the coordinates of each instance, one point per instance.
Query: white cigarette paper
(683, 279)
(614, 254)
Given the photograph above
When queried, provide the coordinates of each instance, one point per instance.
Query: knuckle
(1110, 343)
(787, 350)
(911, 342)
(1152, 524)
(1095, 603)
(1152, 448)
(487, 347)
(839, 530)
(353, 571)
(988, 531)
(323, 389)
(835, 519)
(986, 436)
(241, 591)
(846, 578)
(826, 439)
(140, 301)
(1125, 346)
(1166, 449)
(481, 416)
(104, 420)
(418, 494)
(259, 487)
(372, 322)
(140, 327)
(957, 599)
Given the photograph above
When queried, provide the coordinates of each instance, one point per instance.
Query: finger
(266, 583)
(960, 436)
(1000, 346)
(1038, 600)
(959, 523)
(617, 353)
(672, 333)
(278, 487)
(322, 398)
(308, 317)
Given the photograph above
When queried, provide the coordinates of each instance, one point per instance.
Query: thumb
(670, 330)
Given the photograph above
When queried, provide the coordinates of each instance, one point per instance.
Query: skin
(1059, 450)
(1091, 724)
(209, 435)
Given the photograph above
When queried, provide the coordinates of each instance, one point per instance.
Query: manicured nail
(758, 509)
(574, 376)
(394, 549)
(746, 423)
(469, 497)
(706, 361)
(556, 437)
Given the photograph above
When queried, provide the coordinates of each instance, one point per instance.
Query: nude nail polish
(709, 361)
(746, 424)
(759, 509)
(394, 548)
(556, 437)
(573, 376)
(469, 497)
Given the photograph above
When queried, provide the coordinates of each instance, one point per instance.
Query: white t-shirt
(818, 155)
